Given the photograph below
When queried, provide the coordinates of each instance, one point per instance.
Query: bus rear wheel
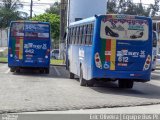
(71, 75)
(81, 79)
(47, 70)
(125, 83)
(90, 83)
(12, 69)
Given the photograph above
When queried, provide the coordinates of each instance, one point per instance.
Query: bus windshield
(124, 29)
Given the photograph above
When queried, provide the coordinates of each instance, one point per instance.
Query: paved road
(29, 91)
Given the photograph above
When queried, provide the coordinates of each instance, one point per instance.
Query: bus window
(84, 35)
(74, 35)
(154, 39)
(154, 26)
(17, 29)
(80, 35)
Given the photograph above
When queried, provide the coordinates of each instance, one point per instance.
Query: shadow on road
(55, 72)
(140, 90)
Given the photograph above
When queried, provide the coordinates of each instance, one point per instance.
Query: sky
(39, 6)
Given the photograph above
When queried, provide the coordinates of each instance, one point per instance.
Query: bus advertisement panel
(120, 49)
(29, 46)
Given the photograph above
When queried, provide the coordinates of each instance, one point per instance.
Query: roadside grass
(52, 62)
(56, 62)
(3, 59)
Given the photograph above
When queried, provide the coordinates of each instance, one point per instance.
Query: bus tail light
(98, 61)
(147, 63)
(10, 52)
(47, 53)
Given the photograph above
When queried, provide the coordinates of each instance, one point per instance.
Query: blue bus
(29, 46)
(110, 47)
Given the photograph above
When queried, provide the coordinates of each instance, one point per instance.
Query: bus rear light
(98, 61)
(147, 63)
(46, 56)
(47, 52)
(10, 50)
(11, 55)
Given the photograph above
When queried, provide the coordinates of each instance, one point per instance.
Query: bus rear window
(37, 30)
(17, 29)
(124, 29)
(34, 30)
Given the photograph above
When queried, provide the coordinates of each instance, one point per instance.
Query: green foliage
(9, 12)
(111, 7)
(128, 7)
(54, 22)
(55, 8)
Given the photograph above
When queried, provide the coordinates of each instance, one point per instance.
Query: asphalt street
(30, 91)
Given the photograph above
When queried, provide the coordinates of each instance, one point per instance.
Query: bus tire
(18, 70)
(12, 69)
(47, 70)
(90, 83)
(71, 75)
(125, 83)
(81, 79)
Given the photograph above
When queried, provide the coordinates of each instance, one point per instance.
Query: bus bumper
(138, 76)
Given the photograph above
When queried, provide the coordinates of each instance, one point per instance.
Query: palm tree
(9, 12)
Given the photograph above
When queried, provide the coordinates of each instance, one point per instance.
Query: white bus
(156, 27)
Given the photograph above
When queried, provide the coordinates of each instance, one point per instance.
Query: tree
(9, 12)
(55, 8)
(54, 22)
(111, 7)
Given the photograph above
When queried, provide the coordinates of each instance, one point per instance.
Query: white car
(158, 60)
(55, 53)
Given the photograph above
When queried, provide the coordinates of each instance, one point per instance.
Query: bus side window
(154, 39)
(80, 35)
(73, 38)
(89, 34)
(86, 32)
(77, 33)
(67, 36)
(92, 30)
(70, 41)
(83, 37)
(154, 26)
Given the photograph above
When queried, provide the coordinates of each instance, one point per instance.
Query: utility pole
(31, 7)
(63, 21)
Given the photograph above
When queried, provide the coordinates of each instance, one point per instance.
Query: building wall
(3, 37)
(85, 8)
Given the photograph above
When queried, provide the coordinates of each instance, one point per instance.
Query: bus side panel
(79, 56)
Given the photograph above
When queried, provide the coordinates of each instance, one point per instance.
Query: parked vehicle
(158, 60)
(55, 53)
(97, 49)
(29, 46)
(154, 50)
